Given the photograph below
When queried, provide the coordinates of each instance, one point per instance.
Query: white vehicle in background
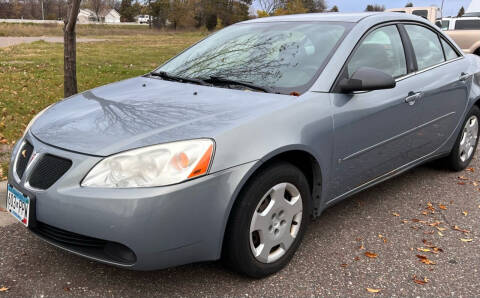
(465, 31)
(143, 19)
(431, 13)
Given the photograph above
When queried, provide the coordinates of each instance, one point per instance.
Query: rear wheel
(268, 221)
(467, 141)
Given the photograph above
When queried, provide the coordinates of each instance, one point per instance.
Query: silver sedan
(230, 148)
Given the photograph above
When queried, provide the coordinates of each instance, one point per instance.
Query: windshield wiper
(222, 80)
(166, 76)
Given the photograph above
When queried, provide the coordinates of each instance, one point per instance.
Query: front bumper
(162, 226)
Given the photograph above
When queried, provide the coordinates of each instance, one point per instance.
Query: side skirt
(383, 177)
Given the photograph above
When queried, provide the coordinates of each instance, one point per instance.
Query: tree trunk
(70, 49)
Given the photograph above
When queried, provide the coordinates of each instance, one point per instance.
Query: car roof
(335, 17)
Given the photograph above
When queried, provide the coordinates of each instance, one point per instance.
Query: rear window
(467, 25)
(421, 13)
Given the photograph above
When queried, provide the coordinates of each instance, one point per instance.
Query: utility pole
(441, 9)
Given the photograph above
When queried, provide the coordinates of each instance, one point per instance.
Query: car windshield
(283, 57)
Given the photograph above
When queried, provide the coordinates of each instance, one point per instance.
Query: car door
(374, 131)
(441, 85)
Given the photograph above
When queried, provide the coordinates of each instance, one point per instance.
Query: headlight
(151, 166)
(34, 119)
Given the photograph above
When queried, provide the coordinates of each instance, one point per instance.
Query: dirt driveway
(11, 41)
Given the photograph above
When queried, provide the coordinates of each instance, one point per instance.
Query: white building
(105, 16)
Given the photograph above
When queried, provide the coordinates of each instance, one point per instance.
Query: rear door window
(450, 53)
(426, 45)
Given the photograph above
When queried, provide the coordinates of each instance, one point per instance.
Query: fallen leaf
(371, 254)
(439, 233)
(462, 178)
(406, 220)
(430, 245)
(441, 206)
(424, 212)
(441, 229)
(470, 170)
(395, 214)
(3, 289)
(423, 249)
(420, 281)
(383, 238)
(475, 183)
(465, 213)
(434, 224)
(461, 183)
(466, 240)
(425, 260)
(361, 247)
(430, 206)
(357, 258)
(370, 290)
(344, 265)
(457, 228)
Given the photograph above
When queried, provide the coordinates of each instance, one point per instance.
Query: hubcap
(276, 222)
(469, 138)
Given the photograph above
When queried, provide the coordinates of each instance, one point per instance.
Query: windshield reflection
(283, 56)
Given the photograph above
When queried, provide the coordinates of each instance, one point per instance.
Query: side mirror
(367, 79)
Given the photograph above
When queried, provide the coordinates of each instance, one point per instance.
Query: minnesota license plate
(18, 204)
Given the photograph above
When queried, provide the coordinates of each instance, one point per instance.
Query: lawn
(31, 75)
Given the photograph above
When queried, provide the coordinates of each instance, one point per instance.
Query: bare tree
(97, 6)
(70, 49)
(270, 5)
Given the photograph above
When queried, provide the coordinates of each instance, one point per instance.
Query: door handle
(464, 76)
(413, 97)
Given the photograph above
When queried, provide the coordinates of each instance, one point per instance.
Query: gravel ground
(391, 221)
(10, 41)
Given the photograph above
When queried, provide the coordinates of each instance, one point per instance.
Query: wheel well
(477, 103)
(310, 168)
(306, 163)
(477, 52)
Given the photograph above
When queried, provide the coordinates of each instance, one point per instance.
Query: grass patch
(31, 75)
(91, 30)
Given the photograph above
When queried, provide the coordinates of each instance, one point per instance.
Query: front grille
(48, 170)
(24, 155)
(95, 248)
(66, 237)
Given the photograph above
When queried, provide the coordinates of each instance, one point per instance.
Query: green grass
(31, 75)
(90, 30)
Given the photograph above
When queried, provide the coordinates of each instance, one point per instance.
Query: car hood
(145, 111)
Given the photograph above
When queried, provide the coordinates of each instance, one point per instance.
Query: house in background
(107, 15)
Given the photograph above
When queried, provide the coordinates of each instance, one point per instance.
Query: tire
(460, 157)
(278, 218)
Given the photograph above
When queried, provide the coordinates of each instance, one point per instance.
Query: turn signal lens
(203, 164)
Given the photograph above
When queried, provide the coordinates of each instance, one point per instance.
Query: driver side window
(381, 49)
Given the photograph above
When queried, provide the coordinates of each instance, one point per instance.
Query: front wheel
(268, 221)
(467, 141)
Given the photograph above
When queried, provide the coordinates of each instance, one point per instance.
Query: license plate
(18, 204)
